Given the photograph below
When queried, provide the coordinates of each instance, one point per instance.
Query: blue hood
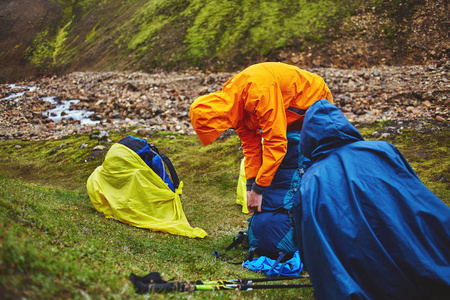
(369, 228)
(325, 128)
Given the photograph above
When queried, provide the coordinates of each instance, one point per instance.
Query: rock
(426, 103)
(146, 131)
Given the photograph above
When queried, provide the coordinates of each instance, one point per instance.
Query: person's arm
(268, 106)
(252, 149)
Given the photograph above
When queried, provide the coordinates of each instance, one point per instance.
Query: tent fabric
(292, 267)
(241, 190)
(259, 103)
(125, 188)
(369, 228)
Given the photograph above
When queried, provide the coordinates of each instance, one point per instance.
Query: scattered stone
(426, 103)
(376, 134)
(161, 101)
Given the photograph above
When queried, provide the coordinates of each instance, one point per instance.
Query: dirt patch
(20, 23)
(371, 38)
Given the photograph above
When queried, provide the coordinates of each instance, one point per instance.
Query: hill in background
(43, 37)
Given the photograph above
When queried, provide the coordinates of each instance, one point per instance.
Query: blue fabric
(157, 166)
(272, 230)
(292, 267)
(369, 228)
(280, 192)
(154, 161)
(286, 180)
(293, 157)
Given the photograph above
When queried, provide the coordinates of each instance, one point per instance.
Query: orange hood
(212, 114)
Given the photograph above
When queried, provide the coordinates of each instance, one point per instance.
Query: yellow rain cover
(242, 188)
(126, 189)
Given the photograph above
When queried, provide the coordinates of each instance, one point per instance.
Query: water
(62, 109)
(16, 96)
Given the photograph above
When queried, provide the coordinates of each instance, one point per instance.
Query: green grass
(54, 244)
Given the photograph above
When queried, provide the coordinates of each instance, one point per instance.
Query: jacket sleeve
(252, 148)
(266, 103)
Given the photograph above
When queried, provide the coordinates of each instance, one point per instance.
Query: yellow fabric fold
(242, 188)
(125, 188)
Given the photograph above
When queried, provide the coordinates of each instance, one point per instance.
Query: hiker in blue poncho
(369, 228)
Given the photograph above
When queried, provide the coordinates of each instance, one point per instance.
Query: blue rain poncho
(369, 228)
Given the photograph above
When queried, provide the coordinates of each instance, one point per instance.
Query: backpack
(133, 187)
(155, 160)
(271, 232)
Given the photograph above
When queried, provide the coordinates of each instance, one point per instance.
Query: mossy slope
(177, 34)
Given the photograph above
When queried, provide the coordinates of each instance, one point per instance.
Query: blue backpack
(155, 160)
(271, 232)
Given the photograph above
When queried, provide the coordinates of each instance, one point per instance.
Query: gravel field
(412, 97)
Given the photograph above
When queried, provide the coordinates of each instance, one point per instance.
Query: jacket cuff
(250, 183)
(258, 188)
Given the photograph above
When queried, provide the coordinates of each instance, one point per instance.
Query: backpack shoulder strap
(168, 163)
(239, 239)
(173, 173)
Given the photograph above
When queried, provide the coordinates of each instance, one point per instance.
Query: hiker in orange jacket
(260, 103)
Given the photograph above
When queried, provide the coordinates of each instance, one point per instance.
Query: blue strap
(251, 254)
(281, 268)
(280, 257)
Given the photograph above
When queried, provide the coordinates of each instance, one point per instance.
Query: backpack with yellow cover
(133, 187)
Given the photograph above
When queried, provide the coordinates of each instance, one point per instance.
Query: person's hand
(254, 201)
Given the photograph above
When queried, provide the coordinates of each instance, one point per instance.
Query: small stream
(62, 108)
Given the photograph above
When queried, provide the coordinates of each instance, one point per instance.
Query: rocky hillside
(48, 37)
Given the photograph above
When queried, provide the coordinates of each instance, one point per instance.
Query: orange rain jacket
(255, 103)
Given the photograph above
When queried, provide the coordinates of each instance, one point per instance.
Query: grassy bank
(54, 244)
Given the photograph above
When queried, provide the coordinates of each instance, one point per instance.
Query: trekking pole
(189, 287)
(154, 283)
(282, 278)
